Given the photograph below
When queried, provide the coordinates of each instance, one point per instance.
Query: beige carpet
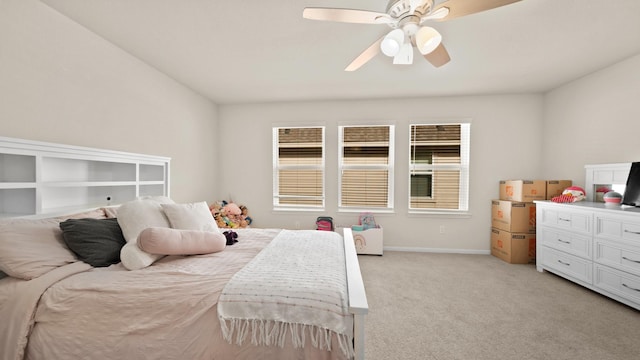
(449, 306)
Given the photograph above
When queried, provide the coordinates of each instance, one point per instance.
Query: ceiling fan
(406, 19)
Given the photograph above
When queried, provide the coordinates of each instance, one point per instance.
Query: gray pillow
(94, 241)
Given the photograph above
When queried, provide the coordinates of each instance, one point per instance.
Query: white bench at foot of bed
(358, 305)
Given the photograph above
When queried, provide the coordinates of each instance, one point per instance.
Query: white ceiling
(238, 51)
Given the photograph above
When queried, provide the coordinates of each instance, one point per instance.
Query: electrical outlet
(441, 229)
(297, 225)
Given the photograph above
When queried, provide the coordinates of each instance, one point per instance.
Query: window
(439, 167)
(298, 167)
(366, 167)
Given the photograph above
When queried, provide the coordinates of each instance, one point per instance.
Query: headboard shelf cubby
(45, 179)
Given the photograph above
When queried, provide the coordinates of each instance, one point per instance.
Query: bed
(178, 306)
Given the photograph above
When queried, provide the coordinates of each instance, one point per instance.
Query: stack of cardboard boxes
(513, 217)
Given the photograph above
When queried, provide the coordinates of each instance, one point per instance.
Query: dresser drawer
(573, 220)
(618, 228)
(579, 245)
(564, 263)
(618, 283)
(618, 255)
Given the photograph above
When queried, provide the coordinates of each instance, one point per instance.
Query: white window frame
(277, 167)
(463, 168)
(389, 167)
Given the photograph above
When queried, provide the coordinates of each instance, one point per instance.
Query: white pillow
(137, 215)
(133, 217)
(194, 216)
(133, 258)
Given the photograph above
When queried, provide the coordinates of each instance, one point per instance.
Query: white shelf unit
(612, 176)
(42, 179)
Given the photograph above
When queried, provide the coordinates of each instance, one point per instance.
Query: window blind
(366, 164)
(298, 167)
(439, 167)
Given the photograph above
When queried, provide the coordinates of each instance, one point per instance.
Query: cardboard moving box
(523, 190)
(514, 248)
(513, 216)
(556, 187)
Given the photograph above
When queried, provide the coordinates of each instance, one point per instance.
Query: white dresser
(592, 244)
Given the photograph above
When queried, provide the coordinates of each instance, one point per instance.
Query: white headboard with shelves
(613, 176)
(46, 179)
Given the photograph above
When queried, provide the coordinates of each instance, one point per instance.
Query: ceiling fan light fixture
(405, 55)
(427, 39)
(392, 42)
(406, 18)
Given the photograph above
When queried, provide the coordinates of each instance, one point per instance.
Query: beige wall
(505, 137)
(61, 83)
(593, 120)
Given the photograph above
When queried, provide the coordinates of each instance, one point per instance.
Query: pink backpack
(324, 223)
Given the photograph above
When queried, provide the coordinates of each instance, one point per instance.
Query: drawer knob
(629, 287)
(561, 219)
(564, 263)
(632, 232)
(564, 241)
(635, 261)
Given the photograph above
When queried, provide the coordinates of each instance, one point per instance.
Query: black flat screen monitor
(632, 191)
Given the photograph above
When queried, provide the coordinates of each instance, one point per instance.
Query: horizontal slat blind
(439, 166)
(298, 167)
(365, 188)
(366, 164)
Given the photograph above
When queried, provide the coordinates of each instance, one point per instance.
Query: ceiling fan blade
(458, 8)
(365, 56)
(346, 15)
(438, 57)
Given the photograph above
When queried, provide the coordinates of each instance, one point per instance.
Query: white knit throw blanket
(296, 285)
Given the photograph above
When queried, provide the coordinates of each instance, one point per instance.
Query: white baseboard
(437, 250)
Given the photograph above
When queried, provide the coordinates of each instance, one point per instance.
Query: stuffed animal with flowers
(230, 215)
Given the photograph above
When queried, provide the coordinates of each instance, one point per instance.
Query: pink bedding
(165, 311)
